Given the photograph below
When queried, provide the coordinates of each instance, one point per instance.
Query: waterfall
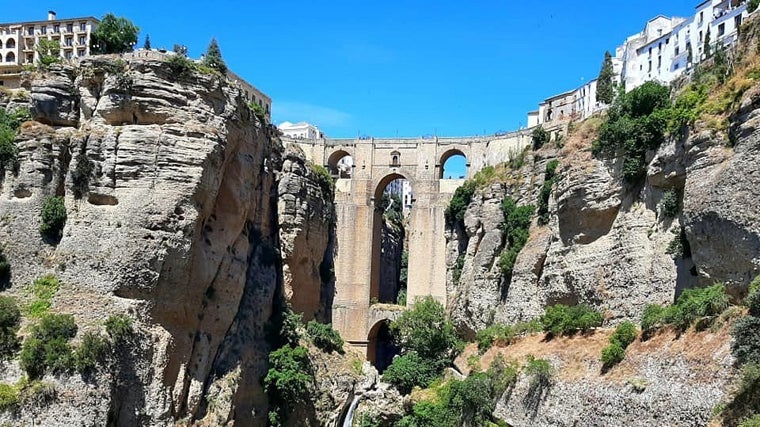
(349, 419)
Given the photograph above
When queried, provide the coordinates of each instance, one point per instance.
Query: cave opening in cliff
(380, 347)
(393, 202)
(453, 165)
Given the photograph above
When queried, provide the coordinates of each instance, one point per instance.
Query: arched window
(1, 44)
(10, 57)
(453, 165)
(395, 158)
(10, 44)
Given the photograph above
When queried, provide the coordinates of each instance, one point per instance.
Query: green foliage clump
(540, 371)
(325, 181)
(48, 52)
(213, 58)
(80, 177)
(10, 122)
(257, 109)
(670, 204)
(753, 421)
(605, 87)
(43, 290)
(288, 381)
(5, 270)
(119, 328)
(469, 402)
(746, 331)
(181, 66)
(91, 351)
(458, 205)
(53, 217)
(494, 334)
(516, 225)
(539, 137)
(752, 5)
(324, 337)
(636, 122)
(408, 371)
(10, 319)
(625, 333)
(679, 246)
(746, 402)
(424, 329)
(9, 397)
(458, 266)
(692, 305)
(550, 177)
(114, 35)
(563, 320)
(47, 347)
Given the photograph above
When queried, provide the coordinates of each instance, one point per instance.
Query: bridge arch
(446, 156)
(380, 346)
(341, 170)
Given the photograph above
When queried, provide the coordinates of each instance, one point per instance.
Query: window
(70, 28)
(650, 52)
(29, 58)
(667, 40)
(10, 57)
(10, 44)
(675, 67)
(80, 53)
(700, 37)
(82, 40)
(395, 158)
(677, 50)
(43, 29)
(83, 26)
(659, 47)
(650, 66)
(69, 54)
(721, 29)
(30, 31)
(659, 62)
(2, 83)
(69, 41)
(56, 28)
(701, 17)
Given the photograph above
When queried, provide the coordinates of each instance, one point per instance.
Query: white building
(300, 130)
(18, 41)
(669, 46)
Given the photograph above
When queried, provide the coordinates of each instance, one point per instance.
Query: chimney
(51, 15)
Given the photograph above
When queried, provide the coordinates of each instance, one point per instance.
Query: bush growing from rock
(409, 371)
(5, 270)
(612, 355)
(48, 347)
(288, 381)
(119, 328)
(53, 217)
(458, 205)
(494, 334)
(625, 333)
(563, 320)
(90, 352)
(9, 397)
(10, 319)
(670, 205)
(324, 336)
(516, 224)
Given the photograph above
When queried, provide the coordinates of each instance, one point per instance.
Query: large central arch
(375, 163)
(378, 287)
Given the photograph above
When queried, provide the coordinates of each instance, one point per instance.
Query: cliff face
(178, 228)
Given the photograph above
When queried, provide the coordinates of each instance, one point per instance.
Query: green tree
(409, 371)
(49, 52)
(114, 35)
(752, 6)
(605, 91)
(707, 44)
(53, 218)
(10, 319)
(539, 137)
(146, 46)
(213, 58)
(425, 330)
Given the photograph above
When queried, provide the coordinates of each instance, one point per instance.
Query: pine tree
(707, 43)
(213, 58)
(146, 46)
(605, 91)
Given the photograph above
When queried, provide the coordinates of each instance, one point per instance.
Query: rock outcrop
(177, 227)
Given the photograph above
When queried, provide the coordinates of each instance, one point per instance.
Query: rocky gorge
(193, 220)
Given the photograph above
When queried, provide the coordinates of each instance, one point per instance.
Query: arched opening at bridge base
(453, 165)
(380, 348)
(389, 240)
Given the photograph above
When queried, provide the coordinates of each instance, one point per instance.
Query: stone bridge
(377, 162)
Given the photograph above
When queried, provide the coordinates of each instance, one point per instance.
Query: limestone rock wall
(306, 224)
(606, 243)
(178, 229)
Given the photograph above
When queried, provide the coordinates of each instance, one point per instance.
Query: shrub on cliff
(625, 333)
(516, 224)
(458, 205)
(563, 320)
(539, 137)
(119, 328)
(5, 270)
(746, 331)
(670, 204)
(91, 351)
(47, 347)
(288, 381)
(80, 177)
(550, 177)
(53, 217)
(636, 122)
(425, 330)
(324, 337)
(10, 319)
(494, 334)
(408, 371)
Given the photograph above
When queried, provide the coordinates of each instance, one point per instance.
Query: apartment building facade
(18, 42)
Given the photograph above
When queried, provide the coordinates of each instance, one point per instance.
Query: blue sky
(405, 68)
